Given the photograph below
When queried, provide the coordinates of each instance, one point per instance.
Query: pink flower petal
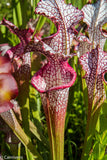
(8, 87)
(5, 65)
(5, 106)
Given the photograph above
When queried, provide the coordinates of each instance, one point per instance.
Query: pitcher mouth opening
(39, 82)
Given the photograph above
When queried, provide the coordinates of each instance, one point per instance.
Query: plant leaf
(65, 18)
(84, 45)
(38, 134)
(95, 65)
(10, 118)
(24, 36)
(95, 15)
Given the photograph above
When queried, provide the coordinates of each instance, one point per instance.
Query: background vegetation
(20, 12)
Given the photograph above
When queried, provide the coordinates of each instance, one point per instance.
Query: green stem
(39, 25)
(19, 151)
(92, 119)
(90, 130)
(56, 135)
(24, 10)
(56, 142)
(17, 13)
(23, 100)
